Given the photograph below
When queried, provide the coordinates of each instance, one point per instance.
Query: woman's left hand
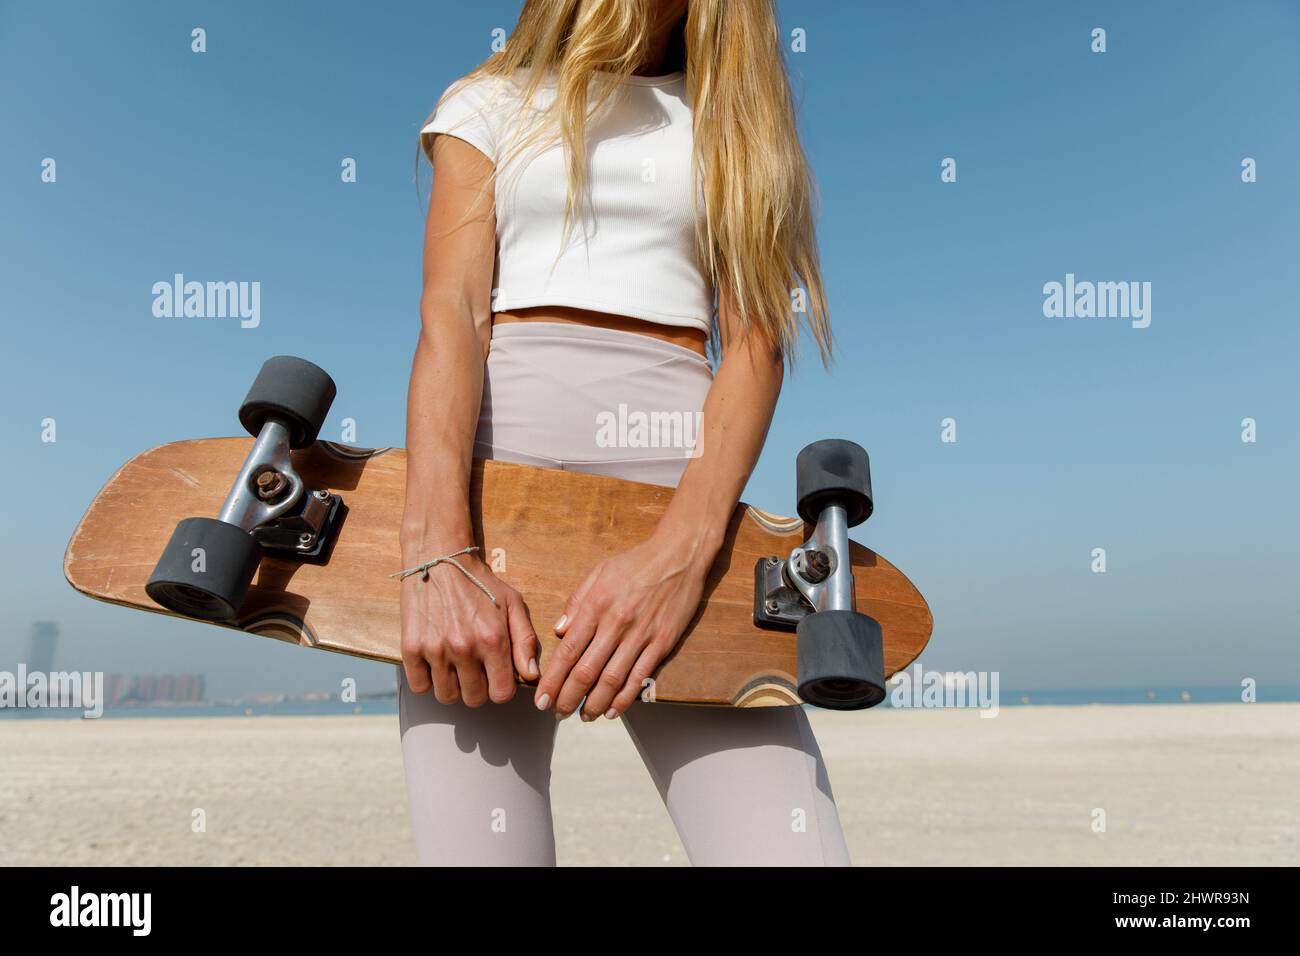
(627, 615)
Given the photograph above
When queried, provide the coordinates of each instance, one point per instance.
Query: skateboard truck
(269, 501)
(840, 651)
(208, 564)
(813, 578)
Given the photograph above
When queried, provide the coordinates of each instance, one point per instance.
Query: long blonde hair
(756, 234)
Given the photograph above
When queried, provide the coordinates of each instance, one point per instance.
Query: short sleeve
(467, 114)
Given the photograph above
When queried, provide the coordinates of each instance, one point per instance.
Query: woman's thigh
(478, 780)
(743, 787)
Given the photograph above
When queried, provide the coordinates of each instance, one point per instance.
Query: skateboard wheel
(841, 660)
(834, 471)
(205, 570)
(295, 392)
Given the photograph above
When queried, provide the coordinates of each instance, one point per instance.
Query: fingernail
(543, 702)
(611, 714)
(564, 619)
(587, 718)
(533, 672)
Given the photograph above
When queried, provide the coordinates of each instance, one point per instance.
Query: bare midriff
(693, 339)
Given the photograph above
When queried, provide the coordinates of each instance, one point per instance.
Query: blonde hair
(756, 235)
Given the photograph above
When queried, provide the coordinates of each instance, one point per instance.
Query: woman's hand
(620, 624)
(456, 642)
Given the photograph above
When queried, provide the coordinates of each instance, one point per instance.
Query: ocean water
(288, 708)
(1156, 696)
(1181, 695)
(1147, 695)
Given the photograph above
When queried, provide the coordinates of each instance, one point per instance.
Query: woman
(594, 183)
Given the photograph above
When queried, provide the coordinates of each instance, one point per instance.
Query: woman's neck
(664, 54)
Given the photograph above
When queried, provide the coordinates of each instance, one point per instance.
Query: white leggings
(742, 786)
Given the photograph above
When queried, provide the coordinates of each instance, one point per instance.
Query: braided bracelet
(446, 559)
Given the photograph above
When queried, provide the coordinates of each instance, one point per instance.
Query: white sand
(1192, 784)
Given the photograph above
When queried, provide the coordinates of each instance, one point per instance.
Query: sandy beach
(1179, 785)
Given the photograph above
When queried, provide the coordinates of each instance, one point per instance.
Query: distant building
(115, 689)
(153, 689)
(40, 649)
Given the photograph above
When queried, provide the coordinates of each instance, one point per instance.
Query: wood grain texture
(544, 528)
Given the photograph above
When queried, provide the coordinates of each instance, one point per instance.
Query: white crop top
(633, 251)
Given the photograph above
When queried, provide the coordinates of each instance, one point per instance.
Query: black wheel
(227, 559)
(834, 471)
(841, 660)
(292, 390)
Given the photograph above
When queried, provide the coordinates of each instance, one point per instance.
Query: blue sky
(1072, 434)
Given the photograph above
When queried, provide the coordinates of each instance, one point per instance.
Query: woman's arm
(632, 609)
(453, 638)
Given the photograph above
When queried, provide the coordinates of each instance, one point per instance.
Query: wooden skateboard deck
(542, 530)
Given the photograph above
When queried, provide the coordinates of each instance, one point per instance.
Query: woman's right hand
(455, 641)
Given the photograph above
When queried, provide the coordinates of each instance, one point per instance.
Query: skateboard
(285, 536)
